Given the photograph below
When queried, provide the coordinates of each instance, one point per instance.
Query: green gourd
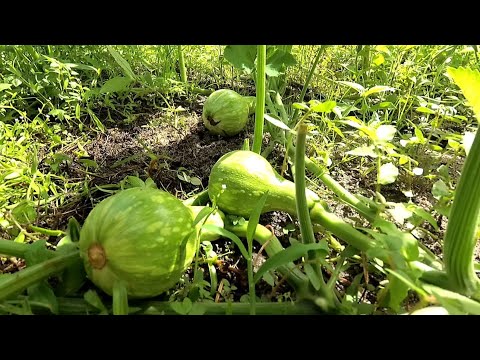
(239, 179)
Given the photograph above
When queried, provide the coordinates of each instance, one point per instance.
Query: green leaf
(127, 70)
(378, 59)
(88, 163)
(254, 218)
(395, 239)
(120, 298)
(425, 110)
(419, 211)
(72, 279)
(92, 298)
(77, 111)
(363, 151)
(20, 237)
(182, 308)
(149, 183)
(293, 252)
(241, 56)
(377, 89)
(37, 253)
(455, 303)
(324, 107)
(24, 212)
(42, 294)
(312, 276)
(96, 120)
(73, 229)
(300, 106)
(385, 132)
(225, 233)
(205, 212)
(116, 84)
(135, 181)
(195, 181)
(468, 81)
(278, 61)
(440, 189)
(353, 85)
(387, 174)
(397, 291)
(276, 122)
(4, 86)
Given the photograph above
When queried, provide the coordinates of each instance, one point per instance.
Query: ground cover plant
(240, 179)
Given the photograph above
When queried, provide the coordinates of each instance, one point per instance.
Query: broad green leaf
(385, 132)
(382, 48)
(387, 174)
(325, 107)
(468, 81)
(197, 309)
(363, 151)
(397, 291)
(127, 70)
(455, 145)
(116, 84)
(444, 171)
(225, 233)
(377, 89)
(396, 239)
(291, 253)
(4, 86)
(353, 85)
(378, 59)
(195, 181)
(276, 122)
(182, 308)
(72, 279)
(402, 160)
(241, 56)
(37, 253)
(278, 61)
(419, 211)
(42, 294)
(440, 189)
(89, 163)
(20, 237)
(25, 212)
(135, 181)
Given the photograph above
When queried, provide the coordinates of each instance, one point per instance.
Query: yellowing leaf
(387, 174)
(385, 132)
(468, 81)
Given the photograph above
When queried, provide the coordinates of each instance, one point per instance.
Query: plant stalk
(19, 281)
(260, 93)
